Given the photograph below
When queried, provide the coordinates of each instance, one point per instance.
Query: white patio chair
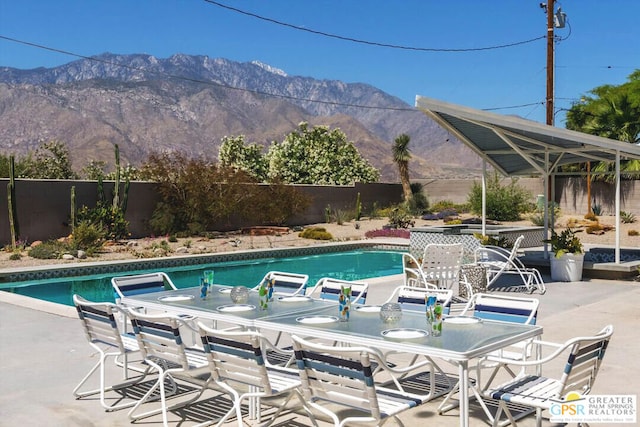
(540, 392)
(101, 330)
(328, 288)
(341, 376)
(141, 284)
(504, 308)
(237, 365)
(412, 298)
(163, 349)
(413, 274)
(287, 284)
(499, 261)
(427, 377)
(441, 264)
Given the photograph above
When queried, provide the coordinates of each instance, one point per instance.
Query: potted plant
(566, 264)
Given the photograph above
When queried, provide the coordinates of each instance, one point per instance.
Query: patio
(45, 354)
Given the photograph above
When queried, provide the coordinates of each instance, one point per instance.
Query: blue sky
(601, 44)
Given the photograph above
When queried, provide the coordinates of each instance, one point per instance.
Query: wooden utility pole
(550, 55)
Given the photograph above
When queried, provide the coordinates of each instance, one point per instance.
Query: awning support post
(484, 198)
(617, 206)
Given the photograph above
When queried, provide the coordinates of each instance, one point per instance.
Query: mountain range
(188, 103)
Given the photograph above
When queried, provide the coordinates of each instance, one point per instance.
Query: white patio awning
(516, 146)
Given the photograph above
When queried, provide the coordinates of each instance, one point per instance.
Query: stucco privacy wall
(571, 193)
(44, 205)
(457, 190)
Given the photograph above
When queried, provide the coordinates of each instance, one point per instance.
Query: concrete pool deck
(45, 354)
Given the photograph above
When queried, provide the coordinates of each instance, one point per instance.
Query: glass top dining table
(218, 306)
(460, 342)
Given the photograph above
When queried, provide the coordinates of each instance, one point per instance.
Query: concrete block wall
(457, 190)
(44, 205)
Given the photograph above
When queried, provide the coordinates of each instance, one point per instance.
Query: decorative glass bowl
(239, 295)
(390, 312)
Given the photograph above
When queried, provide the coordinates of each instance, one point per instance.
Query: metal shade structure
(518, 147)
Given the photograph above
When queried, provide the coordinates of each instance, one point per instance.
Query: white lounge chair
(413, 274)
(498, 261)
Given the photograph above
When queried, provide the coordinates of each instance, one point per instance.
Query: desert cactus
(116, 188)
(12, 225)
(11, 203)
(73, 209)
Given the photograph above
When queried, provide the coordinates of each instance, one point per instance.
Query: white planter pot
(567, 268)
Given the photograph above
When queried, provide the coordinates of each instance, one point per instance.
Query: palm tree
(613, 113)
(401, 156)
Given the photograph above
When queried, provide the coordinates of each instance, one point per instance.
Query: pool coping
(75, 269)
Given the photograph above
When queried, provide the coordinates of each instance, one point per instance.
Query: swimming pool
(349, 265)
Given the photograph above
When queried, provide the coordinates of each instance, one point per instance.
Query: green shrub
(197, 194)
(399, 217)
(316, 233)
(627, 217)
(173, 238)
(15, 256)
(504, 203)
(375, 211)
(565, 242)
(596, 209)
(595, 228)
(537, 218)
(500, 241)
(448, 205)
(51, 249)
(342, 216)
(419, 203)
(104, 216)
(591, 216)
(402, 233)
(442, 205)
(88, 236)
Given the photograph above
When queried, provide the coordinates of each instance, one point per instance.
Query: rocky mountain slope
(188, 103)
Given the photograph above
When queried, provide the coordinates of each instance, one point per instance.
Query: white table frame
(280, 317)
(461, 358)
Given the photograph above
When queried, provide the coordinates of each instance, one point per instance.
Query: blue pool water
(352, 265)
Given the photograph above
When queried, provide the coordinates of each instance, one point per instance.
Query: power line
(221, 85)
(513, 106)
(367, 42)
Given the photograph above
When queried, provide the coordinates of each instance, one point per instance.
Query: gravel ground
(150, 247)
